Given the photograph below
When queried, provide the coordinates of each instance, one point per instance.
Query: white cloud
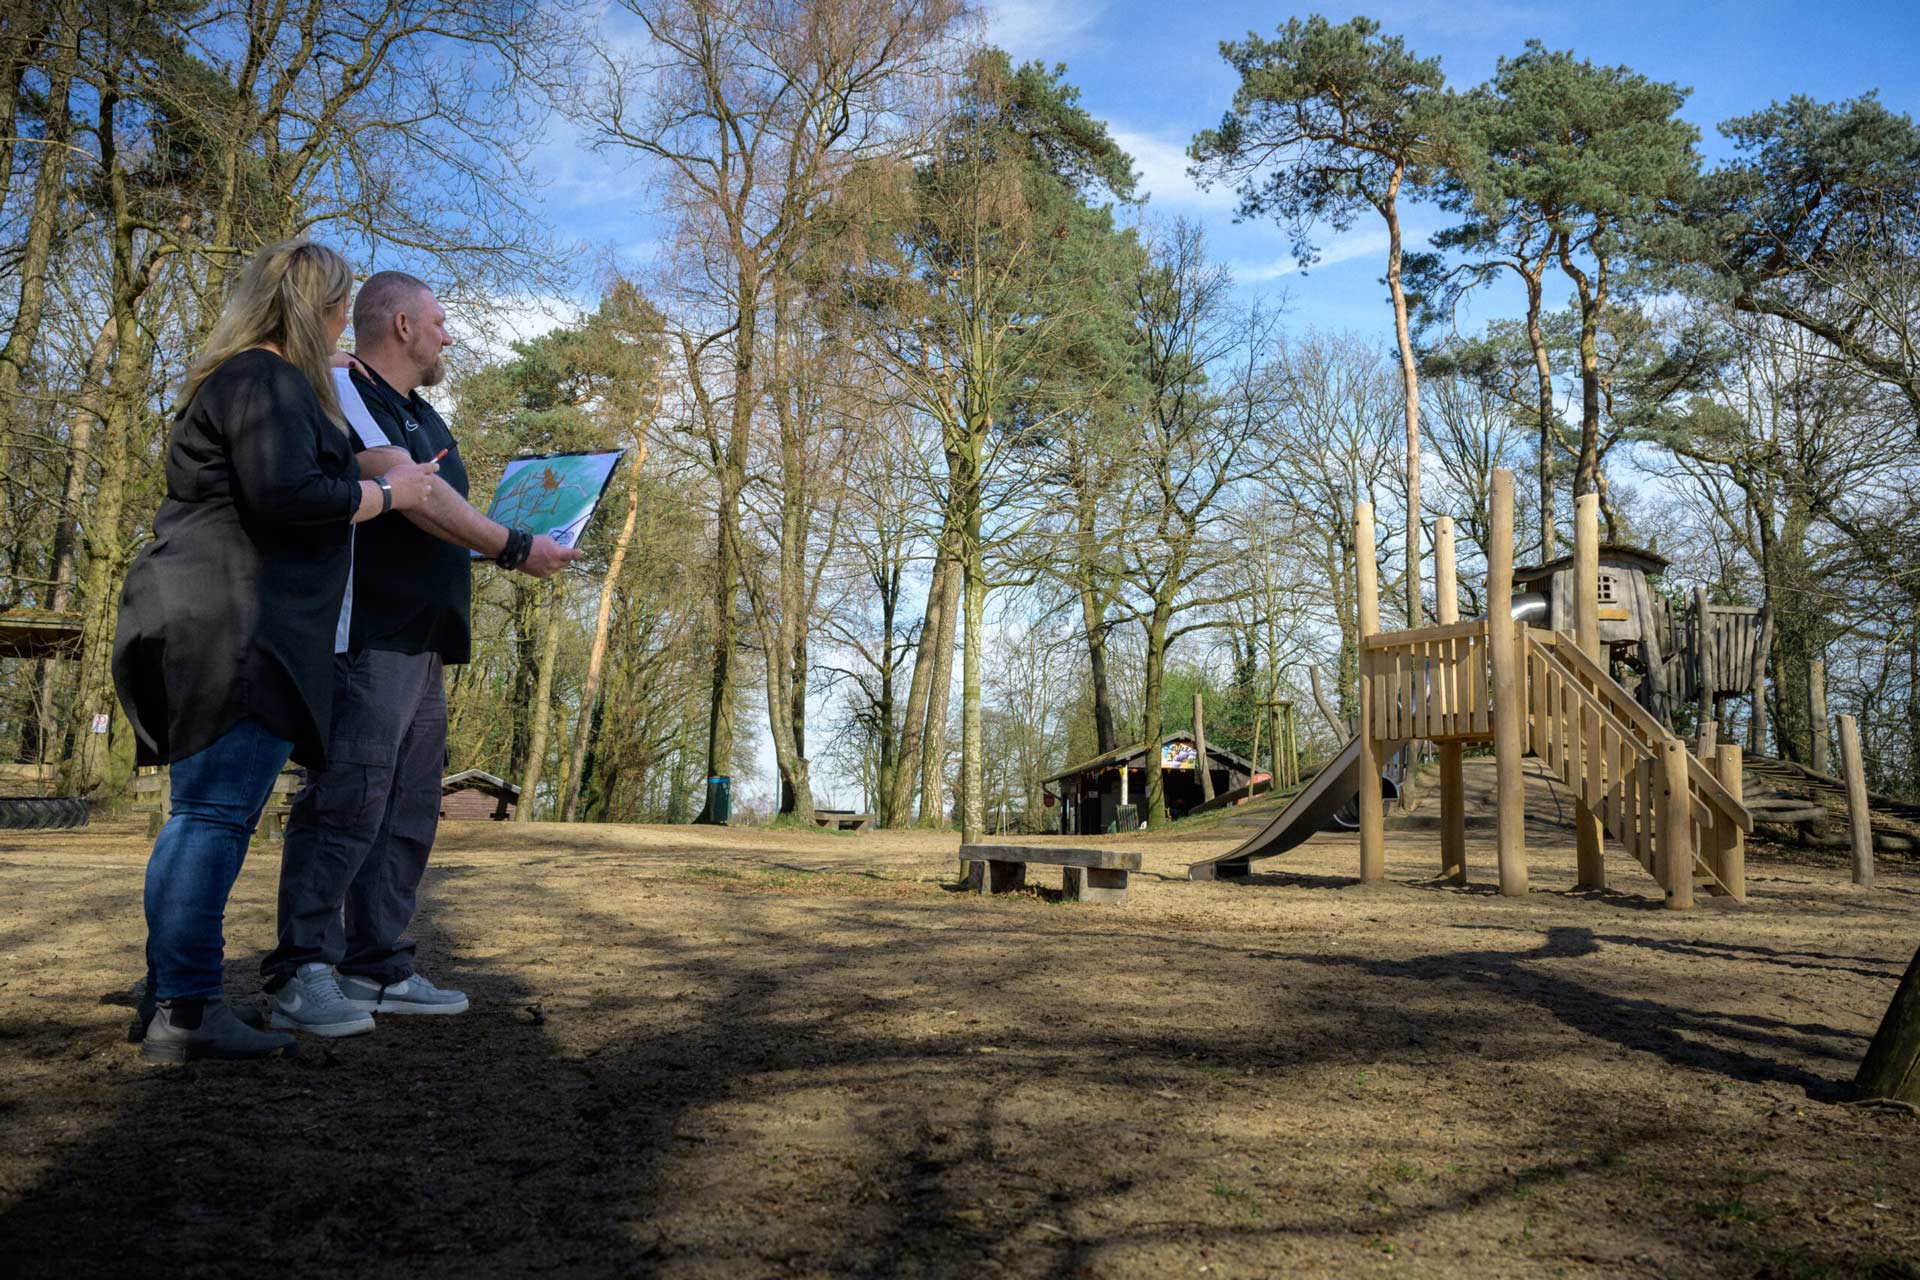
(491, 327)
(1044, 29)
(1162, 165)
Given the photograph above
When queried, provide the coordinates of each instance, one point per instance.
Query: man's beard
(435, 372)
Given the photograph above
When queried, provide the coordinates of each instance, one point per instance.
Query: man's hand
(547, 557)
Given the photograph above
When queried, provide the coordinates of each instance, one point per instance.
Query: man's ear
(402, 328)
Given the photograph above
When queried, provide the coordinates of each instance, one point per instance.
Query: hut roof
(478, 780)
(1647, 561)
(1127, 755)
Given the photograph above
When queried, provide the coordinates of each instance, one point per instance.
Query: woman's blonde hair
(282, 297)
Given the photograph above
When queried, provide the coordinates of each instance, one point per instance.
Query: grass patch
(1733, 1209)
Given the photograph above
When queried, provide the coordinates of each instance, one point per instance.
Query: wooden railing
(1613, 754)
(1429, 684)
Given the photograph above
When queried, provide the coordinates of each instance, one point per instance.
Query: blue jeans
(218, 795)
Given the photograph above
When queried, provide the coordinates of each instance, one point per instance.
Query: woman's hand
(413, 484)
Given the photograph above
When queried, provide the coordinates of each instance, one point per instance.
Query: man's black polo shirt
(412, 592)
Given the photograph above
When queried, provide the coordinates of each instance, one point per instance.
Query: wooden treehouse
(1545, 691)
(1675, 660)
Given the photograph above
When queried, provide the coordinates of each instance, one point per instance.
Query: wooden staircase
(1667, 810)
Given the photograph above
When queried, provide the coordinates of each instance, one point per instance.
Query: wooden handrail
(1422, 635)
(1651, 730)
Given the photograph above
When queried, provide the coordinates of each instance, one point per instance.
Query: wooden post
(1817, 712)
(1281, 773)
(1292, 724)
(1859, 826)
(1200, 747)
(1676, 825)
(1729, 767)
(1373, 833)
(1509, 733)
(1453, 800)
(1709, 736)
(1702, 657)
(1589, 860)
(1891, 1068)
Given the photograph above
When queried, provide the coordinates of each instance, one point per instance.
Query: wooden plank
(1393, 639)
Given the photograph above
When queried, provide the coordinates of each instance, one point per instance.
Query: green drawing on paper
(555, 495)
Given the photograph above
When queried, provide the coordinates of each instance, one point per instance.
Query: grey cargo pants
(358, 835)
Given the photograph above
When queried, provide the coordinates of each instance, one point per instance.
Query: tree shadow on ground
(1677, 1034)
(566, 1124)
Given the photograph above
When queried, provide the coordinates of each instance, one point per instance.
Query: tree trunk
(973, 816)
(1891, 1067)
(596, 656)
(1153, 722)
(49, 189)
(1093, 619)
(1543, 377)
(906, 771)
(933, 738)
(1410, 383)
(542, 709)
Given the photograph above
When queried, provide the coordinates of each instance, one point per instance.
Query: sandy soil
(699, 1053)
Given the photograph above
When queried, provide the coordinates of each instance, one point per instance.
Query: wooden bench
(1087, 875)
(153, 796)
(842, 820)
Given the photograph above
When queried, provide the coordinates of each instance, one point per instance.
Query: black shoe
(186, 1029)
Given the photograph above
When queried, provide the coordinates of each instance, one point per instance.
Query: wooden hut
(1698, 656)
(473, 795)
(1093, 792)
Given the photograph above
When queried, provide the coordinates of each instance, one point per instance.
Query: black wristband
(386, 494)
(514, 554)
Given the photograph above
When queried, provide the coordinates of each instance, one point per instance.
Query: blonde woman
(224, 654)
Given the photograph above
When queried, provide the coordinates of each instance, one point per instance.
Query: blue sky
(1152, 70)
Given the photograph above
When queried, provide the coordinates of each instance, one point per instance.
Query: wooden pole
(1293, 746)
(1200, 747)
(1676, 825)
(1509, 736)
(1709, 737)
(1891, 1068)
(1373, 833)
(1703, 656)
(1817, 712)
(1453, 800)
(1729, 767)
(1859, 827)
(1589, 861)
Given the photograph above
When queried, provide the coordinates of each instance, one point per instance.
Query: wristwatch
(386, 494)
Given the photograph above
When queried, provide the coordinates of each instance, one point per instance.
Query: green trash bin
(719, 800)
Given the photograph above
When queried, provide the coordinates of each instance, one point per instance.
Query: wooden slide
(1309, 811)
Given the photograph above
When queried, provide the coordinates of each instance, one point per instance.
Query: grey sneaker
(311, 1002)
(412, 994)
(185, 1029)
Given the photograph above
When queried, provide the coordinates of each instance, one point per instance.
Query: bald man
(359, 835)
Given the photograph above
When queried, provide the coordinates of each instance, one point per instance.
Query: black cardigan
(230, 611)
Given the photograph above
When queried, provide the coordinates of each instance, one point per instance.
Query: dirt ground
(732, 1053)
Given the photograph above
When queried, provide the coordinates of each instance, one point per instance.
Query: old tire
(42, 813)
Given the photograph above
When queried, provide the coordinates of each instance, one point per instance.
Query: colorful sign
(1178, 755)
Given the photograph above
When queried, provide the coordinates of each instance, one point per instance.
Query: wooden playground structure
(1547, 693)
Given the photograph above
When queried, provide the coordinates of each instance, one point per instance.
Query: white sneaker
(412, 994)
(311, 1002)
